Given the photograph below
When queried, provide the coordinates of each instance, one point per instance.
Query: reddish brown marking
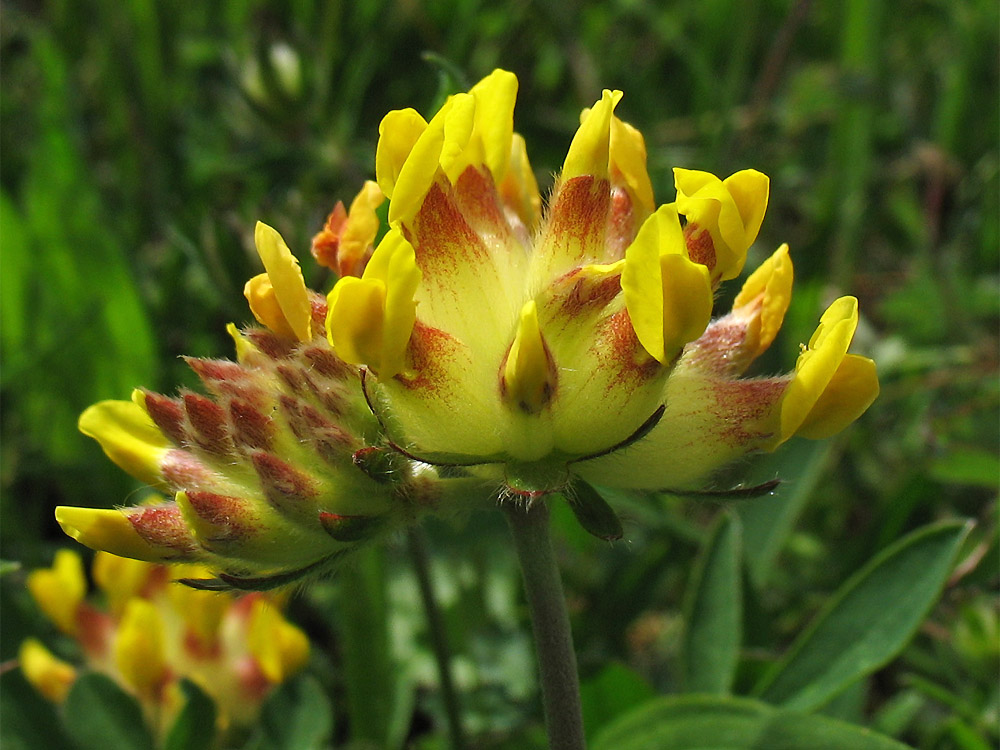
(579, 215)
(212, 370)
(328, 364)
(209, 422)
(476, 198)
(621, 224)
(294, 378)
(317, 311)
(231, 517)
(627, 355)
(700, 247)
(251, 428)
(223, 377)
(586, 295)
(181, 469)
(442, 238)
(168, 415)
(163, 526)
(428, 349)
(720, 349)
(272, 345)
(742, 407)
(282, 481)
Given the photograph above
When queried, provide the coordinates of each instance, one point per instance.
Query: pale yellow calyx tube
(528, 379)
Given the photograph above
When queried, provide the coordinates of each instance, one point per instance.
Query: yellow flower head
(483, 345)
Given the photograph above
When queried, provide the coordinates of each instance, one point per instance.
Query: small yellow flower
(483, 348)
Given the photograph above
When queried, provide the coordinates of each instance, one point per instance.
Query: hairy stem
(550, 623)
(439, 640)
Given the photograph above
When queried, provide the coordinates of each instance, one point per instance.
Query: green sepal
(593, 511)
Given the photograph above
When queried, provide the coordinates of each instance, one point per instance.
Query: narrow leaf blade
(714, 612)
(868, 621)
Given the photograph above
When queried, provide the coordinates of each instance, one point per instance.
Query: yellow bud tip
(590, 149)
(128, 437)
(108, 530)
(765, 297)
(529, 375)
(50, 676)
(830, 388)
(288, 286)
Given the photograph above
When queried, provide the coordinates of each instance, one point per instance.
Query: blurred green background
(141, 140)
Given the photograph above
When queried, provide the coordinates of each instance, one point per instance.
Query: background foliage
(142, 139)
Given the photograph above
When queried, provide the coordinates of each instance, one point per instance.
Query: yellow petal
(139, 648)
(440, 144)
(108, 530)
(529, 373)
(370, 319)
(120, 578)
(771, 286)
(589, 152)
(355, 322)
(847, 396)
(286, 279)
(818, 364)
(128, 437)
(489, 144)
(397, 134)
(730, 210)
(50, 676)
(628, 157)
(519, 188)
(668, 297)
(280, 648)
(263, 301)
(59, 590)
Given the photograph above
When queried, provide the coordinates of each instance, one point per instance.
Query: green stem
(439, 639)
(550, 622)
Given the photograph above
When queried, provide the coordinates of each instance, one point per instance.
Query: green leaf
(714, 612)
(102, 715)
(27, 720)
(194, 728)
(768, 521)
(610, 693)
(297, 716)
(868, 621)
(689, 722)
